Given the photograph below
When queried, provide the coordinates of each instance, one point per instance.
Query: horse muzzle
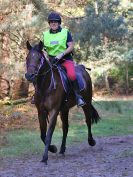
(30, 77)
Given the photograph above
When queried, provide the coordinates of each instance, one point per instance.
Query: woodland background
(103, 35)
(102, 31)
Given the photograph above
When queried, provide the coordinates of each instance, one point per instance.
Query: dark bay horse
(50, 96)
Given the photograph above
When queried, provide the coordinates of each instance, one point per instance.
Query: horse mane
(45, 55)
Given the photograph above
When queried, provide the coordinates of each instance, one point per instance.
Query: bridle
(42, 73)
(42, 59)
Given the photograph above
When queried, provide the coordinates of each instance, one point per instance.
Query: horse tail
(95, 116)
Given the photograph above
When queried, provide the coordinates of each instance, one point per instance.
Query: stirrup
(80, 102)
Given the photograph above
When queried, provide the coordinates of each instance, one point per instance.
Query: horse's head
(34, 61)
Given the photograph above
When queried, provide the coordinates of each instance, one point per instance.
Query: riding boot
(79, 99)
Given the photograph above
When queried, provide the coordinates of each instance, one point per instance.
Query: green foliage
(101, 34)
(116, 78)
(98, 25)
(104, 37)
(129, 55)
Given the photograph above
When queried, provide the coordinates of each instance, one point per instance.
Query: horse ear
(28, 45)
(40, 45)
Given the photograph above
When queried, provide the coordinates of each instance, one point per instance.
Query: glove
(54, 60)
(60, 56)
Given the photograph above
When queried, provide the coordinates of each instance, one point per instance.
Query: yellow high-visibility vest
(55, 43)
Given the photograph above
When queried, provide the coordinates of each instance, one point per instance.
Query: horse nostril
(27, 76)
(30, 77)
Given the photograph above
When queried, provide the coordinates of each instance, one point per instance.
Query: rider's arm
(70, 44)
(70, 48)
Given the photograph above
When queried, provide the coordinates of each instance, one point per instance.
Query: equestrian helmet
(54, 16)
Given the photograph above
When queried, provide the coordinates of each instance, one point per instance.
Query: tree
(18, 21)
(101, 33)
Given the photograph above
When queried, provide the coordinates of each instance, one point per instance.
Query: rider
(59, 45)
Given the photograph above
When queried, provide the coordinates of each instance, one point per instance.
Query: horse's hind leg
(88, 114)
(64, 118)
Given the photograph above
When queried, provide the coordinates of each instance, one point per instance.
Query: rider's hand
(54, 61)
(60, 56)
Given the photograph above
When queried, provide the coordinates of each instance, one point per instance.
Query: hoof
(62, 155)
(91, 142)
(62, 151)
(44, 161)
(52, 148)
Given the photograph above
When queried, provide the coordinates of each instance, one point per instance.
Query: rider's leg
(70, 68)
(79, 99)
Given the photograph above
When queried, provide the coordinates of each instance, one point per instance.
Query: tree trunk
(4, 88)
(19, 88)
(127, 80)
(5, 48)
(96, 7)
(107, 83)
(4, 63)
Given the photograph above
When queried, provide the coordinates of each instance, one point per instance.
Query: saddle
(66, 81)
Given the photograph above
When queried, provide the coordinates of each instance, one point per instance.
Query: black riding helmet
(54, 16)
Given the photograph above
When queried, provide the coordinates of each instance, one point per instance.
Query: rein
(45, 73)
(42, 62)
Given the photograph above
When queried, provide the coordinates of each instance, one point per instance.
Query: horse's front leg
(43, 118)
(64, 118)
(52, 122)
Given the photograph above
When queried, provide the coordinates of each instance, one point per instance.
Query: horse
(50, 98)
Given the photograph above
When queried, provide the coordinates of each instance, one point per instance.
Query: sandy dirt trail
(111, 157)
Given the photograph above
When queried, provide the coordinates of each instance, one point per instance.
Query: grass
(117, 119)
(21, 142)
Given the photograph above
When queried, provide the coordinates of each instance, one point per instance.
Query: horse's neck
(47, 66)
(44, 79)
